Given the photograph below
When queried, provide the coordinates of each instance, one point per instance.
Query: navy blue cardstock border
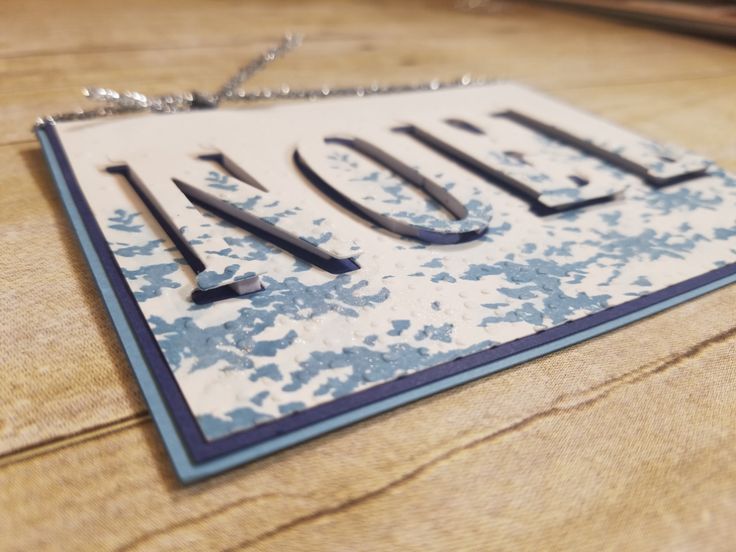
(200, 450)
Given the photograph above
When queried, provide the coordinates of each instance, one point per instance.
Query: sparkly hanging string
(118, 103)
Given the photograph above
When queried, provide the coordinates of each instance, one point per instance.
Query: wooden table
(625, 442)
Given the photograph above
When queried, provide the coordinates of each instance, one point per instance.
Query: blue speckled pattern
(311, 336)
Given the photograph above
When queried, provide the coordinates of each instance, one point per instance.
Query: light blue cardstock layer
(189, 472)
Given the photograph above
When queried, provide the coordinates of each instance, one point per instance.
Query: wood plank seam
(63, 441)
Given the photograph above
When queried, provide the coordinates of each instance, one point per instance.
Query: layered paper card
(280, 271)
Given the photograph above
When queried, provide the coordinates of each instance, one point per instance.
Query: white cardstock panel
(310, 336)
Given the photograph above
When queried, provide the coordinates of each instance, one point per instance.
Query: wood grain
(624, 442)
